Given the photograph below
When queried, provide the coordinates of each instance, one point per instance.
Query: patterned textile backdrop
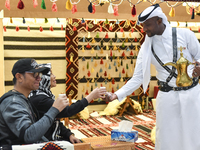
(45, 46)
(102, 54)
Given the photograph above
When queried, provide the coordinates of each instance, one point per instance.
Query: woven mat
(102, 126)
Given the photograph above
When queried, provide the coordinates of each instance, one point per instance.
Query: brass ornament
(183, 80)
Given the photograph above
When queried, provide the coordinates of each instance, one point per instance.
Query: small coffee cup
(62, 95)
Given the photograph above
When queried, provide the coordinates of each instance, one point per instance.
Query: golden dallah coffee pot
(181, 65)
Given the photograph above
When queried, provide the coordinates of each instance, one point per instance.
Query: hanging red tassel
(121, 29)
(199, 30)
(113, 81)
(113, 90)
(61, 27)
(133, 12)
(101, 62)
(74, 28)
(135, 39)
(74, 9)
(4, 28)
(35, 3)
(51, 28)
(123, 71)
(86, 93)
(142, 30)
(116, 10)
(54, 7)
(106, 36)
(86, 27)
(88, 73)
(41, 29)
(93, 8)
(28, 28)
(7, 4)
(123, 54)
(131, 53)
(100, 28)
(110, 28)
(17, 28)
(105, 73)
(111, 53)
(88, 46)
(20, 5)
(132, 30)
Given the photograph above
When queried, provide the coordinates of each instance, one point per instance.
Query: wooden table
(105, 143)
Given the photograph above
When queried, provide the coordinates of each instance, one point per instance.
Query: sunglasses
(36, 74)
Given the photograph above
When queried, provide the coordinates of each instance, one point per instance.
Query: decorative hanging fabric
(7, 4)
(54, 7)
(83, 48)
(23, 20)
(90, 8)
(192, 9)
(110, 28)
(11, 21)
(116, 10)
(28, 28)
(133, 11)
(74, 28)
(97, 36)
(172, 12)
(51, 28)
(43, 6)
(74, 8)
(41, 29)
(110, 9)
(88, 46)
(106, 36)
(93, 41)
(68, 5)
(123, 35)
(4, 28)
(93, 8)
(20, 5)
(35, 3)
(117, 22)
(83, 21)
(100, 29)
(92, 59)
(17, 28)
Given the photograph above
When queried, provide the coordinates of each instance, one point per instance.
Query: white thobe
(177, 112)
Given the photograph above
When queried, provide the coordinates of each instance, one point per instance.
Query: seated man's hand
(73, 139)
(109, 97)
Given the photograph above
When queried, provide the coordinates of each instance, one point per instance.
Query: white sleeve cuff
(121, 94)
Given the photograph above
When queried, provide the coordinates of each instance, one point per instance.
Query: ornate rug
(102, 126)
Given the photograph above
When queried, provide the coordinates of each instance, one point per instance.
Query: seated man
(17, 119)
(43, 98)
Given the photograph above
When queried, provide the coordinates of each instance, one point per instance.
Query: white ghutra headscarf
(148, 13)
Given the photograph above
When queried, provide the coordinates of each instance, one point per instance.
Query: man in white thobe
(177, 111)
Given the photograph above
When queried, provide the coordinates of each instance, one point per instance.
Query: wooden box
(82, 146)
(105, 143)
